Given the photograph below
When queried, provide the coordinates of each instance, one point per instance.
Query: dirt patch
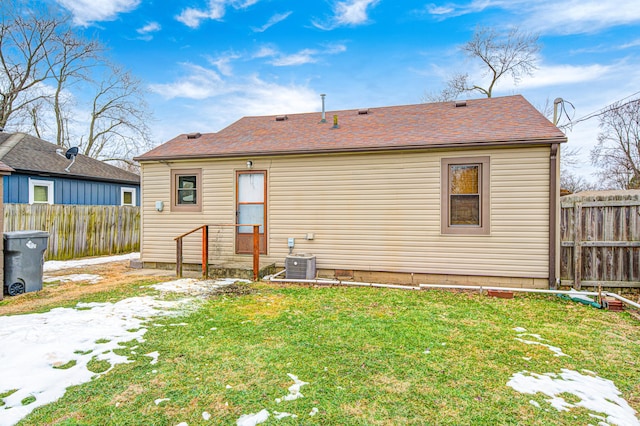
(116, 277)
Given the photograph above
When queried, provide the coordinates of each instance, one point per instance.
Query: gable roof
(480, 122)
(28, 154)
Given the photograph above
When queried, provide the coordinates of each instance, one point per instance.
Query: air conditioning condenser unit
(300, 267)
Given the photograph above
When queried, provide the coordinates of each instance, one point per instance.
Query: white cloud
(265, 52)
(223, 63)
(556, 17)
(560, 75)
(151, 27)
(200, 83)
(192, 17)
(348, 13)
(215, 10)
(86, 12)
(582, 16)
(278, 17)
(304, 56)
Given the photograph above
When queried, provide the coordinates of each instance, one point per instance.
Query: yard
(135, 353)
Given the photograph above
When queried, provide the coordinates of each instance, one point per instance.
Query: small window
(465, 195)
(186, 192)
(127, 196)
(40, 191)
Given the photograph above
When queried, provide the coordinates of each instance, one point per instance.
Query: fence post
(577, 245)
(256, 251)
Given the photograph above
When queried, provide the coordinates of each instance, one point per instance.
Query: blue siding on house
(67, 191)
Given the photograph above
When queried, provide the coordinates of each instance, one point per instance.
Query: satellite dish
(71, 152)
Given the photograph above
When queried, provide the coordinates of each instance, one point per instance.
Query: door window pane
(251, 188)
(250, 214)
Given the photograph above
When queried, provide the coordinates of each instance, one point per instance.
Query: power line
(600, 111)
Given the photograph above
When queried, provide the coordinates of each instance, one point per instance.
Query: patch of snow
(90, 278)
(183, 424)
(57, 265)
(253, 419)
(229, 387)
(595, 393)
(278, 415)
(535, 336)
(154, 357)
(427, 351)
(534, 403)
(161, 400)
(195, 287)
(557, 351)
(313, 412)
(213, 328)
(526, 358)
(180, 324)
(206, 416)
(294, 389)
(520, 329)
(33, 344)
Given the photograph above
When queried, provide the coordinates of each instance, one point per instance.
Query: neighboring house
(43, 174)
(453, 192)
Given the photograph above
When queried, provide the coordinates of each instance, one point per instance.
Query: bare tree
(70, 63)
(118, 124)
(26, 37)
(514, 54)
(617, 152)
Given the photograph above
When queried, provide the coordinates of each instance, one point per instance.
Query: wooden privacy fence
(78, 231)
(600, 239)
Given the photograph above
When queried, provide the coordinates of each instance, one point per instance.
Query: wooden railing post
(205, 252)
(256, 251)
(179, 257)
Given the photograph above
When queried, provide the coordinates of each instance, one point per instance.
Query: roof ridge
(10, 143)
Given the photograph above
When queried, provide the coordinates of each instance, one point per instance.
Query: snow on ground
(90, 278)
(43, 354)
(253, 419)
(57, 265)
(595, 393)
(194, 286)
(522, 333)
(294, 389)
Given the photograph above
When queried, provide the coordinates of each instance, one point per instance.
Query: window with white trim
(127, 196)
(40, 191)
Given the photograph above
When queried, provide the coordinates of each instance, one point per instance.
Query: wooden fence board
(600, 240)
(76, 230)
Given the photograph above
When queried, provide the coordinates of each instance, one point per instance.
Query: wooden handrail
(205, 248)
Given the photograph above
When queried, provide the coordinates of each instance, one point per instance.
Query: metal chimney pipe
(324, 118)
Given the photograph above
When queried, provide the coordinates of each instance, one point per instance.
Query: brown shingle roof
(29, 154)
(506, 120)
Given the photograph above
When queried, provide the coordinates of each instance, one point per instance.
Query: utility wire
(598, 112)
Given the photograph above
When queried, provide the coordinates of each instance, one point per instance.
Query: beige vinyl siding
(374, 212)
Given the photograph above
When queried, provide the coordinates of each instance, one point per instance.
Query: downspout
(553, 214)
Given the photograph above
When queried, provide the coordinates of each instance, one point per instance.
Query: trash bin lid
(25, 234)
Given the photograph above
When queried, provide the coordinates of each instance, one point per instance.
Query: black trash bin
(24, 261)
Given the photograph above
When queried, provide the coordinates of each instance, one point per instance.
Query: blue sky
(206, 63)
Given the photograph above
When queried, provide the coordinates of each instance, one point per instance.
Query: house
(4, 171)
(459, 192)
(43, 174)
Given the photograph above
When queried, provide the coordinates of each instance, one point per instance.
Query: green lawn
(369, 356)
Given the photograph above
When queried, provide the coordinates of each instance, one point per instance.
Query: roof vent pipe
(324, 117)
